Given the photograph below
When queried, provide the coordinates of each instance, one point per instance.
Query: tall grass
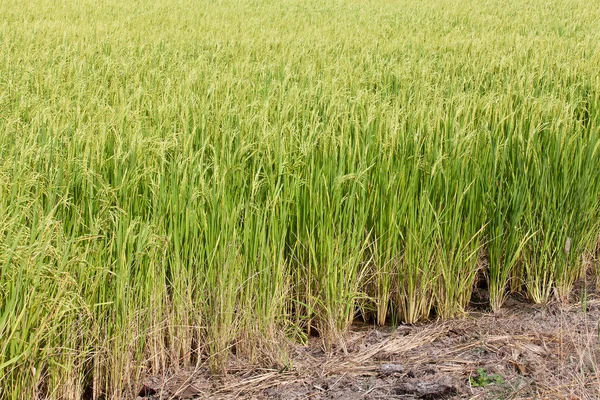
(184, 181)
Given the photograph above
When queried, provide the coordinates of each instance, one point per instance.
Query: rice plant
(183, 181)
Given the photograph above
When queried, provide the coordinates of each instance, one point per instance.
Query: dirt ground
(524, 351)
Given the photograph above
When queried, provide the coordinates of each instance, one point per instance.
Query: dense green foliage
(180, 179)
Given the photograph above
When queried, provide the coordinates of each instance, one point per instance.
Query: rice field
(185, 179)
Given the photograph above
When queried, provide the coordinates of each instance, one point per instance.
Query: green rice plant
(460, 223)
(506, 234)
(386, 196)
(416, 277)
(562, 211)
(334, 243)
(267, 281)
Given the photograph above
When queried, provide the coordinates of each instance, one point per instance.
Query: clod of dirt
(440, 387)
(390, 369)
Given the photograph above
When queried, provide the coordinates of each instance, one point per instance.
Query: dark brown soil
(524, 351)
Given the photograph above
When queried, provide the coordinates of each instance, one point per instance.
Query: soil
(523, 351)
